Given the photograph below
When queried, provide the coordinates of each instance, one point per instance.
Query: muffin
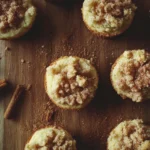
(71, 82)
(130, 75)
(51, 138)
(108, 18)
(130, 135)
(16, 18)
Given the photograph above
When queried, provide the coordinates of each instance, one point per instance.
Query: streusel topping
(108, 16)
(134, 75)
(112, 13)
(130, 135)
(75, 81)
(12, 14)
(51, 139)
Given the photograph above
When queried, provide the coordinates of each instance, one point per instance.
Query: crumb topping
(130, 135)
(11, 14)
(113, 15)
(74, 82)
(135, 76)
(54, 139)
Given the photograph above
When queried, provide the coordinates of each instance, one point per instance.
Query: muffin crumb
(22, 61)
(7, 48)
(29, 87)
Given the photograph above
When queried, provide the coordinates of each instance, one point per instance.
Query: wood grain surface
(58, 31)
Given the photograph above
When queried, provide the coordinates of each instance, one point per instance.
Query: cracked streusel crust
(130, 75)
(71, 82)
(51, 138)
(108, 18)
(130, 135)
(16, 18)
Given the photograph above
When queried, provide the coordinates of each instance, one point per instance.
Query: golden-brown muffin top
(71, 82)
(108, 16)
(51, 138)
(130, 135)
(130, 75)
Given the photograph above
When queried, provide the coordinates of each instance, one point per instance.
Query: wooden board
(59, 31)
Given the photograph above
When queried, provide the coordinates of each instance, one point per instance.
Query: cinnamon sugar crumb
(29, 87)
(12, 13)
(42, 46)
(45, 116)
(22, 61)
(7, 48)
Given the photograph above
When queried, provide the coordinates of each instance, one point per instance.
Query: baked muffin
(51, 138)
(130, 135)
(108, 18)
(130, 75)
(71, 82)
(16, 18)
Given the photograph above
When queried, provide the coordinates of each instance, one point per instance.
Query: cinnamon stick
(18, 91)
(3, 83)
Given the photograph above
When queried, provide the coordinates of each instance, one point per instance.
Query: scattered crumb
(93, 41)
(112, 54)
(7, 48)
(29, 63)
(49, 115)
(29, 87)
(46, 54)
(44, 66)
(92, 60)
(22, 61)
(43, 46)
(45, 115)
(49, 110)
(84, 49)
